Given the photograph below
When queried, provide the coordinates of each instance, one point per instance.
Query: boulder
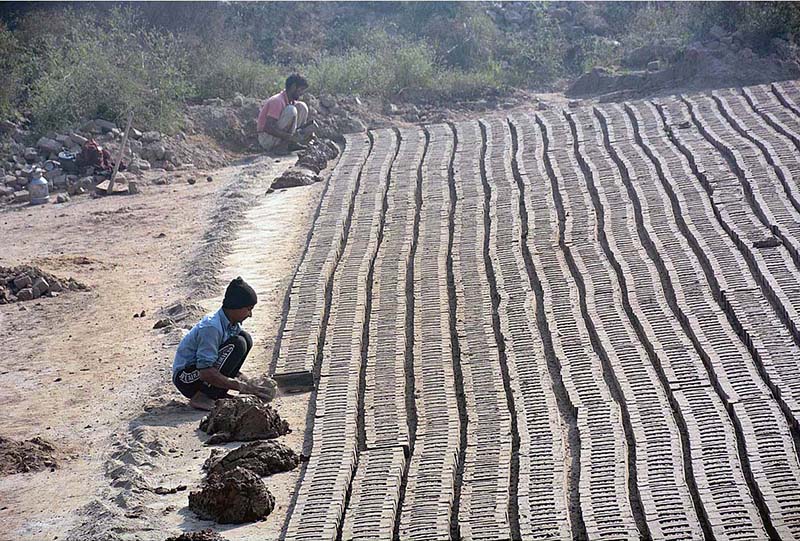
(31, 155)
(104, 125)
(62, 198)
(655, 65)
(78, 139)
(22, 196)
(51, 146)
(25, 294)
(151, 136)
(134, 134)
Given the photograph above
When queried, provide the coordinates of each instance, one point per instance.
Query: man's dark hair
(296, 79)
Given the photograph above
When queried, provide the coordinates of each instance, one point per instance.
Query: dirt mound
(319, 153)
(263, 458)
(30, 455)
(295, 176)
(202, 535)
(243, 419)
(26, 283)
(232, 497)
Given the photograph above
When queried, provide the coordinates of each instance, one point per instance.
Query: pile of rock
(25, 283)
(21, 154)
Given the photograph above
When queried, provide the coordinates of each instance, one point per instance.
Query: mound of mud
(263, 458)
(295, 176)
(26, 283)
(232, 497)
(318, 154)
(242, 419)
(30, 455)
(202, 535)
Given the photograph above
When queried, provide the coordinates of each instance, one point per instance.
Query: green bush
(14, 63)
(106, 68)
(230, 72)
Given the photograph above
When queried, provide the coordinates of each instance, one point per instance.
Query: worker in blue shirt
(209, 359)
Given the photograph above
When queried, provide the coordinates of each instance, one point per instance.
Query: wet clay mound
(319, 153)
(243, 419)
(295, 176)
(202, 535)
(31, 455)
(26, 283)
(232, 497)
(263, 458)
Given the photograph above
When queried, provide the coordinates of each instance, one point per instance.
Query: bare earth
(85, 374)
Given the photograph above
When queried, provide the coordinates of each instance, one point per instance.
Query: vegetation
(63, 63)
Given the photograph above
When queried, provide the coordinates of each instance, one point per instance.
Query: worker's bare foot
(201, 401)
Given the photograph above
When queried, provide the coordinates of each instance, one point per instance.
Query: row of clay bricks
(774, 344)
(375, 494)
(710, 436)
(301, 333)
(542, 477)
(602, 492)
(484, 503)
(323, 490)
(769, 197)
(778, 150)
(666, 502)
(427, 507)
(771, 457)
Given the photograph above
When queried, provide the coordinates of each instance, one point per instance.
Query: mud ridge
(651, 353)
(513, 508)
(608, 374)
(410, 390)
(312, 409)
(729, 115)
(455, 531)
(758, 497)
(568, 411)
(747, 187)
(718, 295)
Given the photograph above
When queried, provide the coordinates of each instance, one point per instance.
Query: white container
(38, 188)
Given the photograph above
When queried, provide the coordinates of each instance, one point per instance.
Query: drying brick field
(559, 324)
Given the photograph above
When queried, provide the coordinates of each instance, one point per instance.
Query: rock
(655, 65)
(203, 535)
(243, 419)
(91, 128)
(133, 187)
(78, 139)
(209, 178)
(40, 287)
(238, 100)
(769, 242)
(22, 196)
(235, 497)
(63, 139)
(391, 109)
(25, 294)
(6, 191)
(263, 458)
(161, 323)
(327, 101)
(156, 150)
(62, 198)
(104, 125)
(22, 281)
(151, 137)
(51, 146)
(134, 133)
(640, 56)
(86, 183)
(59, 181)
(352, 125)
(31, 155)
(191, 181)
(717, 31)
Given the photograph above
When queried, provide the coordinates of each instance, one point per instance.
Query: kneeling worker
(209, 358)
(281, 116)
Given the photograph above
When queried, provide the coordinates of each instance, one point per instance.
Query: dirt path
(88, 376)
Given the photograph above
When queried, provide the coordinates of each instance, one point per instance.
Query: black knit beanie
(239, 294)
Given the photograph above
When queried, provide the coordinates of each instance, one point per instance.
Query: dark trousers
(230, 359)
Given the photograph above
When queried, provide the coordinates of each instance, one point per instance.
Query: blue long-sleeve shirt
(201, 345)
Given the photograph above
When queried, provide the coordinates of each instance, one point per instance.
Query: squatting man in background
(283, 123)
(209, 358)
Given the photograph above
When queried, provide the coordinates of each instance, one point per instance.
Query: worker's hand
(264, 392)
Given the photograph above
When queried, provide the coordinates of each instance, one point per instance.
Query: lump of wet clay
(263, 458)
(242, 419)
(30, 455)
(202, 535)
(232, 497)
(295, 176)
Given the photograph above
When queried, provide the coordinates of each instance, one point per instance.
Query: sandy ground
(85, 374)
